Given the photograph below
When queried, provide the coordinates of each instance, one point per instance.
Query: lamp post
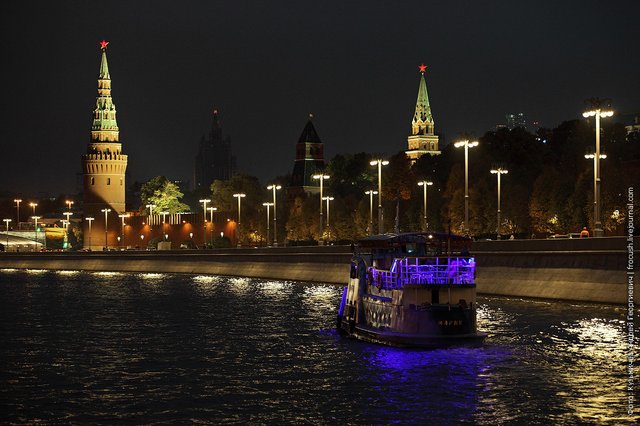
(499, 171)
(211, 210)
(150, 218)
(267, 205)
(66, 228)
(17, 201)
(371, 193)
(122, 217)
(466, 144)
(274, 188)
(204, 202)
(6, 221)
(597, 231)
(239, 196)
(379, 162)
(33, 206)
(35, 228)
(327, 199)
(106, 212)
(69, 203)
(424, 184)
(321, 177)
(89, 219)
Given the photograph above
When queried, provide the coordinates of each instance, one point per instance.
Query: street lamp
(69, 202)
(17, 201)
(204, 202)
(267, 205)
(211, 210)
(380, 163)
(321, 177)
(6, 221)
(499, 171)
(89, 219)
(371, 193)
(274, 188)
(34, 205)
(597, 231)
(424, 184)
(239, 196)
(66, 228)
(106, 212)
(466, 144)
(35, 227)
(123, 216)
(327, 199)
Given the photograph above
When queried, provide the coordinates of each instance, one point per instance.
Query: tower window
(108, 181)
(120, 182)
(93, 181)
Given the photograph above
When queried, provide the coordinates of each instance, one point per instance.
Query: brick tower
(104, 168)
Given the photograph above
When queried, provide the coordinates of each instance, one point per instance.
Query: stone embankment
(590, 270)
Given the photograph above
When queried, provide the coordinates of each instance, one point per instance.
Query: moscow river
(114, 348)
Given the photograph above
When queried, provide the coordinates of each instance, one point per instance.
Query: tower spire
(105, 126)
(422, 140)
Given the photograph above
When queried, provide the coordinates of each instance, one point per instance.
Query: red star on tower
(423, 68)
(103, 44)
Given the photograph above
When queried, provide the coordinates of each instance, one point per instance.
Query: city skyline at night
(267, 67)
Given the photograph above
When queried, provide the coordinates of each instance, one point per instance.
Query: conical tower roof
(105, 126)
(309, 134)
(423, 109)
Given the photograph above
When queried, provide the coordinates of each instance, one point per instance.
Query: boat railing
(425, 270)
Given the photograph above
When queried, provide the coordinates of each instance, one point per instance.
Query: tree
(163, 194)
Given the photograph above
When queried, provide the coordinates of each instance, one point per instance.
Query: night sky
(267, 65)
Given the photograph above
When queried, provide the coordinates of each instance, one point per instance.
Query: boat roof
(391, 239)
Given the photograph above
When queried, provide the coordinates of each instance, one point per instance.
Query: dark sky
(267, 65)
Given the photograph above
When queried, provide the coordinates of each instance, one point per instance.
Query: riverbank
(590, 270)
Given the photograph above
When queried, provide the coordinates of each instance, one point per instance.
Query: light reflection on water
(142, 348)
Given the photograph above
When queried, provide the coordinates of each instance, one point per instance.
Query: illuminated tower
(309, 161)
(104, 167)
(422, 139)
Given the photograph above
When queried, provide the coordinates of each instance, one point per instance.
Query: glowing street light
(499, 171)
(211, 210)
(69, 203)
(204, 202)
(33, 206)
(379, 162)
(6, 221)
(597, 231)
(239, 196)
(424, 184)
(327, 199)
(89, 219)
(66, 229)
(35, 227)
(321, 177)
(123, 217)
(267, 205)
(466, 144)
(371, 193)
(17, 201)
(274, 188)
(106, 212)
(596, 206)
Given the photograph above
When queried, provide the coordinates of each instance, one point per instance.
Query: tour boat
(412, 290)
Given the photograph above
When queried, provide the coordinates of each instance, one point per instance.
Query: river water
(114, 348)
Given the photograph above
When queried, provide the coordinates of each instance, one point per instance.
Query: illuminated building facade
(516, 120)
(309, 161)
(214, 160)
(422, 140)
(104, 166)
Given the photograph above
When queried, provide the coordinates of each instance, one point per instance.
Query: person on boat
(584, 233)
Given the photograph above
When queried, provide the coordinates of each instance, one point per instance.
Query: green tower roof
(423, 109)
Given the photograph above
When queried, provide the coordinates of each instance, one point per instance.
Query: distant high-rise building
(422, 140)
(214, 160)
(516, 120)
(104, 166)
(309, 161)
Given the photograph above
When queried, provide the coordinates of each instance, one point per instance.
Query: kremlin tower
(422, 139)
(309, 161)
(103, 168)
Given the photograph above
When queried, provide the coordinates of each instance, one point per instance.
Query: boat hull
(409, 340)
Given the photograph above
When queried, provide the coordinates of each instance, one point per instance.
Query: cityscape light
(274, 188)
(267, 205)
(106, 221)
(499, 171)
(211, 210)
(89, 219)
(6, 221)
(239, 196)
(35, 228)
(66, 224)
(371, 193)
(598, 113)
(424, 184)
(204, 202)
(123, 217)
(17, 201)
(321, 177)
(380, 162)
(466, 144)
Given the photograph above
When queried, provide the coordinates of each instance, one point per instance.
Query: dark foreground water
(159, 348)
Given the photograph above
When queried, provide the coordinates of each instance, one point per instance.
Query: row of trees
(549, 189)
